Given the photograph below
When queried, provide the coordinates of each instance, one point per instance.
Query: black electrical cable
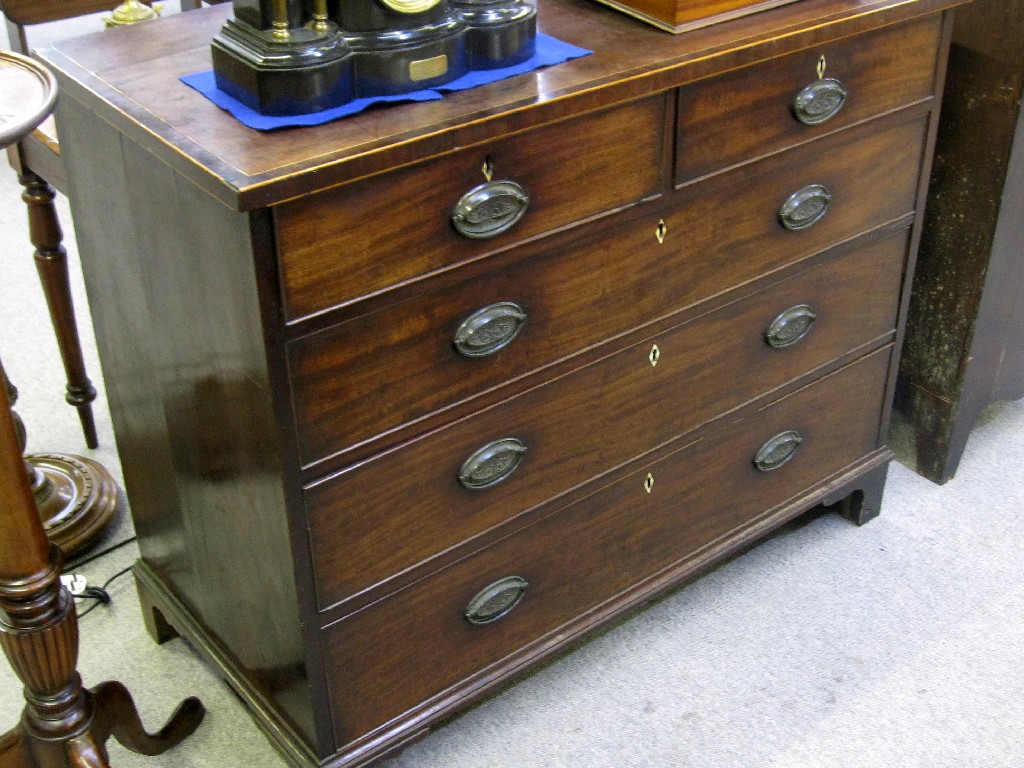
(99, 594)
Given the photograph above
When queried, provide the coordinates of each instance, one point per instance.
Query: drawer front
(369, 235)
(412, 504)
(377, 372)
(384, 660)
(753, 111)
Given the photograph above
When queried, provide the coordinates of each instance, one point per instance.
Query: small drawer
(383, 661)
(760, 109)
(366, 236)
(416, 500)
(374, 373)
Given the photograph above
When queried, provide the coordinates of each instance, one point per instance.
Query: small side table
(75, 496)
(63, 724)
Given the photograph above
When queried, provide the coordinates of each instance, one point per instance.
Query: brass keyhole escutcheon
(821, 67)
(654, 356)
(649, 483)
(660, 231)
(488, 168)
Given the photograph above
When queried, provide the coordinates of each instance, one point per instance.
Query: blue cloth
(548, 51)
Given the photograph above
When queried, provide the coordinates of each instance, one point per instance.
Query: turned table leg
(52, 265)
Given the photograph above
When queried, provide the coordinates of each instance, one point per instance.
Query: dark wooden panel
(740, 115)
(377, 372)
(184, 365)
(369, 236)
(412, 506)
(964, 343)
(594, 550)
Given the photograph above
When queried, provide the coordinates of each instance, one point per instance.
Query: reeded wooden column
(38, 627)
(63, 725)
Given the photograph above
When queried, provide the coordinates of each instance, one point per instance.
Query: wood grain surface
(592, 421)
(700, 494)
(136, 77)
(382, 231)
(595, 284)
(745, 113)
(276, 341)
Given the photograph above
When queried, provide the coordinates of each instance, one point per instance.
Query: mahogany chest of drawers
(411, 401)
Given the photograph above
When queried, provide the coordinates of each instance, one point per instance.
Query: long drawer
(430, 494)
(377, 372)
(377, 233)
(757, 110)
(410, 649)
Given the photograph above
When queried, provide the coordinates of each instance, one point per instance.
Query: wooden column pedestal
(63, 724)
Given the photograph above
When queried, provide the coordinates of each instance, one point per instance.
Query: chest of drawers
(409, 402)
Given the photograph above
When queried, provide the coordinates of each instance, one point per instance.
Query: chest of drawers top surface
(133, 82)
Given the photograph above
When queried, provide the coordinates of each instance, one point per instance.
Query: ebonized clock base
(310, 69)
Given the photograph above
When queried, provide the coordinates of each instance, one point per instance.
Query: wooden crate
(683, 15)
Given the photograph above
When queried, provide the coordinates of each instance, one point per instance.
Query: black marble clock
(288, 57)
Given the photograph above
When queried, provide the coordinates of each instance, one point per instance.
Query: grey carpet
(895, 644)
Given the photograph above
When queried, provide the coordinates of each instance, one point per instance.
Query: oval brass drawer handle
(489, 329)
(491, 464)
(805, 207)
(489, 209)
(790, 326)
(777, 451)
(496, 600)
(819, 102)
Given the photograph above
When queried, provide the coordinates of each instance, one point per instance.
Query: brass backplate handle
(805, 207)
(496, 600)
(819, 102)
(492, 463)
(790, 326)
(489, 329)
(777, 451)
(489, 209)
